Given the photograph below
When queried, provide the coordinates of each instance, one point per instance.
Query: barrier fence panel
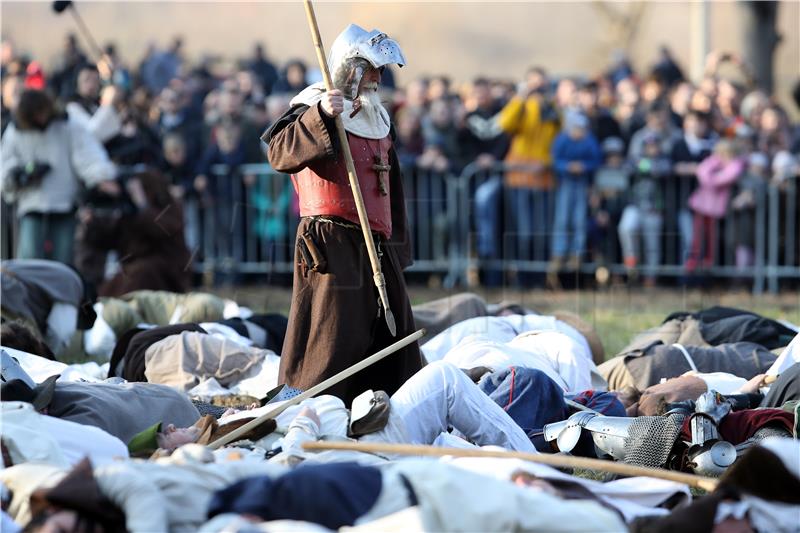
(507, 230)
(430, 217)
(249, 220)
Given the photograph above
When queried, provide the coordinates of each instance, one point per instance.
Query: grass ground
(617, 313)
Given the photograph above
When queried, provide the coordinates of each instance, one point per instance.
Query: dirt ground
(617, 313)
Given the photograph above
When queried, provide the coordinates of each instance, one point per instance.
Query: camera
(30, 175)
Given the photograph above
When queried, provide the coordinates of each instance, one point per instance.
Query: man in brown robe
(335, 319)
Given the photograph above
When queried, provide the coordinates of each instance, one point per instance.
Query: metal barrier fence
(246, 229)
(510, 229)
(246, 224)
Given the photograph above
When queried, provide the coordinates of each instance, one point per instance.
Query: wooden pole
(377, 274)
(560, 461)
(316, 389)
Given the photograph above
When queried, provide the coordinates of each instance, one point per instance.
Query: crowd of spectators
(81, 139)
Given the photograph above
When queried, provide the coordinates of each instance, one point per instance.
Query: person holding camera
(531, 120)
(45, 157)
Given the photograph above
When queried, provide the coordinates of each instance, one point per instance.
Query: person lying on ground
(139, 496)
(512, 322)
(558, 355)
(436, 398)
(29, 436)
(120, 409)
(446, 497)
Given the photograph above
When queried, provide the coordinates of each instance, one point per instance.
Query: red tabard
(324, 189)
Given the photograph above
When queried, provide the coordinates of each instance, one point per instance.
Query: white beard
(371, 122)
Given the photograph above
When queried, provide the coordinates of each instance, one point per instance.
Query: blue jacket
(566, 150)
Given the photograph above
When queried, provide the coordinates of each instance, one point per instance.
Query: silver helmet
(354, 50)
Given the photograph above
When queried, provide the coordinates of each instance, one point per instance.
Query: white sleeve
(138, 497)
(721, 382)
(302, 429)
(103, 125)
(789, 357)
(61, 325)
(89, 158)
(9, 161)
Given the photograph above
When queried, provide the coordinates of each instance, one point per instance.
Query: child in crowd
(180, 172)
(576, 155)
(750, 188)
(606, 202)
(642, 216)
(716, 176)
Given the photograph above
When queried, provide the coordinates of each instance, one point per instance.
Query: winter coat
(532, 130)
(716, 179)
(567, 150)
(73, 154)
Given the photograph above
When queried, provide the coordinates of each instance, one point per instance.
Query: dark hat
(40, 396)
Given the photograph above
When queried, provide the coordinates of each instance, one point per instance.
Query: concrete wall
(459, 39)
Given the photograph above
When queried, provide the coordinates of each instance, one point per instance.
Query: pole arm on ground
(558, 461)
(377, 274)
(316, 389)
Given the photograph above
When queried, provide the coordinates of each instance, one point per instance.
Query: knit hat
(576, 120)
(145, 441)
(613, 145)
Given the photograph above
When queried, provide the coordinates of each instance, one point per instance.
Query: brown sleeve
(300, 136)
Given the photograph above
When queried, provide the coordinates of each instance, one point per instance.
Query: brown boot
(574, 263)
(552, 281)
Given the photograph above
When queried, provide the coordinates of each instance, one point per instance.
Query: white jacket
(73, 153)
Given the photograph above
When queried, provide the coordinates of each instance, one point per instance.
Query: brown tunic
(335, 320)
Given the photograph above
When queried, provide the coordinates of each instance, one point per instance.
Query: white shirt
(33, 437)
(555, 354)
(501, 329)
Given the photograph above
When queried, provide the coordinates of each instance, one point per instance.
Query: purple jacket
(716, 179)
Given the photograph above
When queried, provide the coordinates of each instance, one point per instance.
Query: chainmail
(209, 409)
(769, 431)
(650, 439)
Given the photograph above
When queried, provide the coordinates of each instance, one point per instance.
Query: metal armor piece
(712, 403)
(644, 440)
(712, 458)
(703, 428)
(708, 455)
(374, 46)
(348, 77)
(608, 433)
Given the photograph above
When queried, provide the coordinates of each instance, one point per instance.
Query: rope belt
(336, 221)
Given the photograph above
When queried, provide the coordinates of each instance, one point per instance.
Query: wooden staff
(316, 389)
(377, 274)
(560, 461)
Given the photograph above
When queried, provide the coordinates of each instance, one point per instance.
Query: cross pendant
(381, 168)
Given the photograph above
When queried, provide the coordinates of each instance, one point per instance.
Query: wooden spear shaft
(560, 461)
(377, 274)
(316, 389)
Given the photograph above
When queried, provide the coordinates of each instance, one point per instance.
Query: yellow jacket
(531, 138)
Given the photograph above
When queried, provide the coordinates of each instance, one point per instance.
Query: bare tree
(623, 21)
(761, 37)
